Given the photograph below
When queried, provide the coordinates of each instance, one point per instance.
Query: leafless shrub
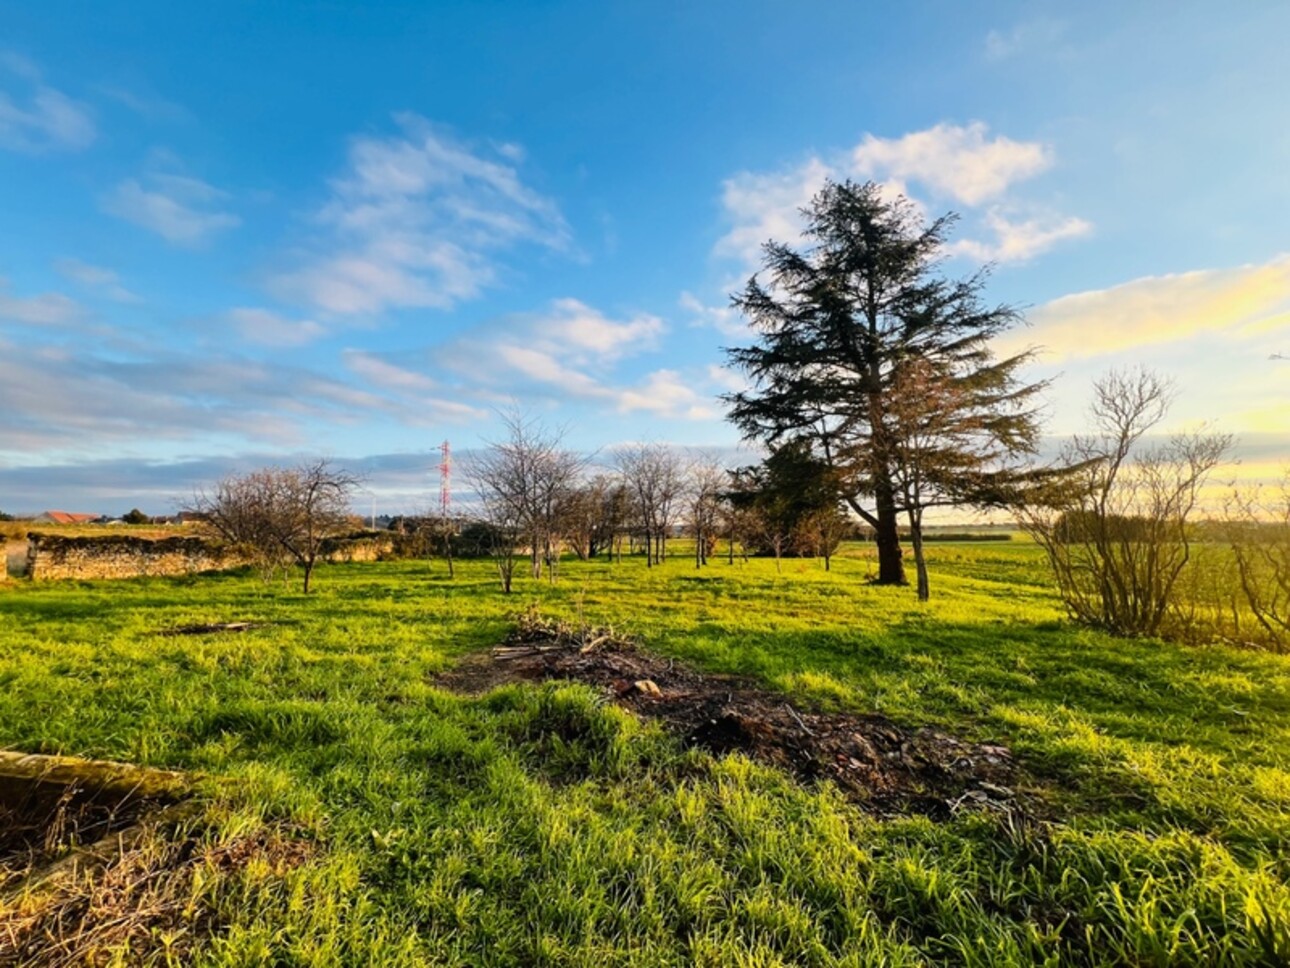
(1115, 529)
(1258, 530)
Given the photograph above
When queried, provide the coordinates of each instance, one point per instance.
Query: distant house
(67, 517)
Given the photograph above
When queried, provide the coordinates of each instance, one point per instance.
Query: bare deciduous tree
(280, 515)
(1115, 529)
(941, 445)
(820, 532)
(523, 482)
(654, 475)
(594, 516)
(707, 482)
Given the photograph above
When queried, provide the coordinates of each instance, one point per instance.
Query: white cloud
(730, 381)
(964, 164)
(417, 221)
(376, 370)
(182, 210)
(1020, 239)
(419, 398)
(960, 162)
(1248, 303)
(767, 205)
(88, 400)
(590, 335)
(668, 394)
(271, 329)
(725, 319)
(145, 103)
(567, 352)
(41, 118)
(544, 367)
(103, 281)
(46, 309)
(553, 346)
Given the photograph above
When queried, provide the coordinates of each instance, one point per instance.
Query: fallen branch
(793, 712)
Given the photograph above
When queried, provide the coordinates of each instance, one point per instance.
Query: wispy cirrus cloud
(568, 352)
(96, 279)
(419, 219)
(44, 309)
(91, 400)
(1249, 303)
(268, 328)
(558, 348)
(419, 398)
(36, 118)
(724, 318)
(1023, 38)
(183, 210)
(145, 103)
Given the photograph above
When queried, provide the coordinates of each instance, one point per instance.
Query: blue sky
(248, 233)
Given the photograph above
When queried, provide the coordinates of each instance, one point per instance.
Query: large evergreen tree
(841, 321)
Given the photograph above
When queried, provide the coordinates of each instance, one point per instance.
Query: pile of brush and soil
(880, 764)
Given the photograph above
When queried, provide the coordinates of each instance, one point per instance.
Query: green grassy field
(540, 826)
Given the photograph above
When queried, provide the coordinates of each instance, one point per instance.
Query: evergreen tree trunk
(891, 566)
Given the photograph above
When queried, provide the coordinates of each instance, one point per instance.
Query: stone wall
(51, 557)
(358, 547)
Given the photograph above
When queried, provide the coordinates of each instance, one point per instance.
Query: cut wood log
(19, 771)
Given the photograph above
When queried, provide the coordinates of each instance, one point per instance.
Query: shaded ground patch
(213, 628)
(50, 805)
(884, 766)
(98, 858)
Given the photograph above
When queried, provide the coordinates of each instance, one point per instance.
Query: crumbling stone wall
(51, 556)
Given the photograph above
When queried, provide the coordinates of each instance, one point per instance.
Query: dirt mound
(886, 767)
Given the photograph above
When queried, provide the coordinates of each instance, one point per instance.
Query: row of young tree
(539, 498)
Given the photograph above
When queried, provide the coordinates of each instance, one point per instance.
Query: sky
(241, 234)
